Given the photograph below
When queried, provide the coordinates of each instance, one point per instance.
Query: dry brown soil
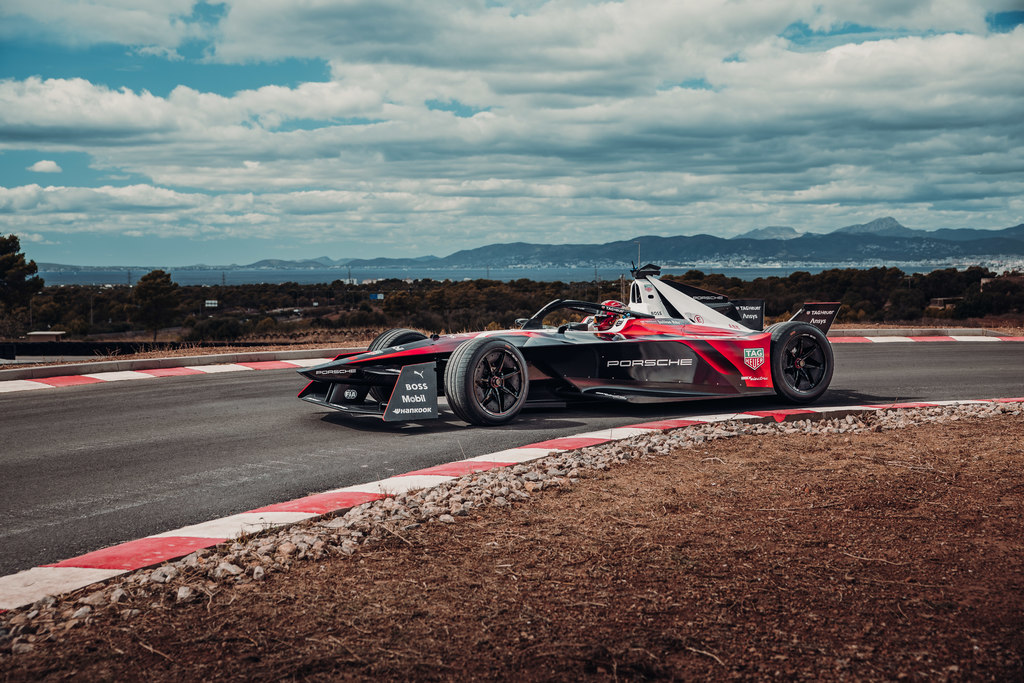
(877, 556)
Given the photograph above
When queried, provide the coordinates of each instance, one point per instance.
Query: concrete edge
(43, 371)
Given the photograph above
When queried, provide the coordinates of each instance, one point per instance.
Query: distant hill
(882, 240)
(883, 227)
(771, 232)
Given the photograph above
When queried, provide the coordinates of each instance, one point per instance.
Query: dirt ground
(877, 556)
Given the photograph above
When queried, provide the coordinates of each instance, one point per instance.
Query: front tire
(385, 340)
(801, 360)
(486, 382)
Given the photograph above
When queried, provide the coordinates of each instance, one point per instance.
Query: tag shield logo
(754, 358)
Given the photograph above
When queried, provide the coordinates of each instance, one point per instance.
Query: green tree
(157, 298)
(18, 282)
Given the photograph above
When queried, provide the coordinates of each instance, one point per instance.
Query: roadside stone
(258, 573)
(446, 519)
(163, 574)
(117, 595)
(287, 548)
(226, 569)
(94, 599)
(22, 648)
(44, 602)
(82, 612)
(185, 594)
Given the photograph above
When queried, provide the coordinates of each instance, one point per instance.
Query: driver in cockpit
(605, 320)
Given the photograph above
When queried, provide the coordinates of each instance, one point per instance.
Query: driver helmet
(605, 320)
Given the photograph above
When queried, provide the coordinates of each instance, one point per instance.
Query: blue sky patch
(75, 170)
(1004, 22)
(461, 110)
(118, 66)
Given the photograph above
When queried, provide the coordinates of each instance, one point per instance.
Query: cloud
(467, 123)
(144, 23)
(45, 166)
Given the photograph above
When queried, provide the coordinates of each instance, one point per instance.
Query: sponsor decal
(650, 363)
(415, 393)
(754, 379)
(342, 371)
(753, 358)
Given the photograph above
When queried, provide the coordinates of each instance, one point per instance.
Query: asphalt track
(86, 467)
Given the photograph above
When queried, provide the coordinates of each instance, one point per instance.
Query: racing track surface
(89, 466)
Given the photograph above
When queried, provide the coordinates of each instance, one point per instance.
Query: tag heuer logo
(754, 358)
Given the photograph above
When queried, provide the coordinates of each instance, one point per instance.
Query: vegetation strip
(32, 585)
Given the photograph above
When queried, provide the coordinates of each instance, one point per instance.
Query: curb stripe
(268, 365)
(140, 553)
(171, 372)
(24, 588)
(12, 385)
(781, 415)
(321, 503)
(457, 469)
(568, 443)
(67, 381)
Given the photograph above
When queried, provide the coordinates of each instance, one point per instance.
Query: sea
(243, 276)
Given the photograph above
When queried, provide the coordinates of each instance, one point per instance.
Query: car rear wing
(820, 314)
(673, 299)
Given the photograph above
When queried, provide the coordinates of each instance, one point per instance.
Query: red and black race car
(671, 343)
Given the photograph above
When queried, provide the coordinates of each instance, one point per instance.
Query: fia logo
(754, 358)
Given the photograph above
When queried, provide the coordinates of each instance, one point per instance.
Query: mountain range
(883, 240)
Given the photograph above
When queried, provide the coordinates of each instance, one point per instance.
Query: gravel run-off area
(876, 546)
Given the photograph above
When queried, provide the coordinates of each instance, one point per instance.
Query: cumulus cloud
(45, 166)
(475, 122)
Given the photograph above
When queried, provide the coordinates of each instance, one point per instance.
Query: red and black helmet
(606, 319)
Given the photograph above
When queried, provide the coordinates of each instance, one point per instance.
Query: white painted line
(236, 525)
(211, 369)
(395, 485)
(119, 376)
(954, 403)
(27, 586)
(979, 338)
(516, 455)
(889, 340)
(22, 385)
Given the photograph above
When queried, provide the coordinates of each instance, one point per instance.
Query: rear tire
(801, 360)
(486, 381)
(385, 340)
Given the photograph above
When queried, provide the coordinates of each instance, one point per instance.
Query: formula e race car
(672, 342)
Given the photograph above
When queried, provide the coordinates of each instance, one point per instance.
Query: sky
(174, 132)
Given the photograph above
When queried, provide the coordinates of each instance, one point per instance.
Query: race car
(672, 342)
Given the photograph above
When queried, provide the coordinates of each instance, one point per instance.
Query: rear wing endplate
(821, 314)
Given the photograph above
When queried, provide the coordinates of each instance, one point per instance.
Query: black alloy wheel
(486, 381)
(802, 362)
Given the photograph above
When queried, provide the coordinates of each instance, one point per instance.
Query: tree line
(291, 310)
